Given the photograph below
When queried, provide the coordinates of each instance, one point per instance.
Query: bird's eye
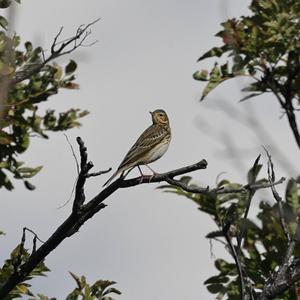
(161, 115)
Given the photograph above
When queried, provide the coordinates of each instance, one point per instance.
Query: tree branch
(271, 175)
(284, 93)
(222, 189)
(82, 212)
(65, 47)
(283, 278)
(236, 258)
(285, 275)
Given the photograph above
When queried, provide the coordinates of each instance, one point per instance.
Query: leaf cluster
(21, 117)
(264, 46)
(262, 240)
(18, 256)
(101, 289)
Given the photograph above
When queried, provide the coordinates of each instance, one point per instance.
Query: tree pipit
(150, 146)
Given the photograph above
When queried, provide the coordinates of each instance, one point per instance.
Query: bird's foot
(141, 179)
(153, 175)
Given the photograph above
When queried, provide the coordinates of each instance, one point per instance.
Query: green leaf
(253, 172)
(5, 3)
(28, 46)
(252, 95)
(29, 186)
(3, 22)
(215, 234)
(5, 138)
(23, 141)
(23, 289)
(215, 51)
(112, 291)
(215, 288)
(27, 172)
(217, 279)
(71, 67)
(217, 76)
(209, 87)
(201, 75)
(291, 195)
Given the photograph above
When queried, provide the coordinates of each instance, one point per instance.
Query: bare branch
(34, 234)
(85, 167)
(55, 39)
(271, 175)
(97, 173)
(65, 47)
(222, 189)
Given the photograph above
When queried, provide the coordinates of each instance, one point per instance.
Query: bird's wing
(148, 139)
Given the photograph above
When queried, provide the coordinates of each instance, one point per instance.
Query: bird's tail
(113, 176)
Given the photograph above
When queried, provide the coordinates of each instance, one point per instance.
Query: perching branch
(58, 48)
(82, 211)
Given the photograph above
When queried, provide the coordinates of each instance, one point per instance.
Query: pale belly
(157, 152)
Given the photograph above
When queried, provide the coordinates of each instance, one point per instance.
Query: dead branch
(58, 49)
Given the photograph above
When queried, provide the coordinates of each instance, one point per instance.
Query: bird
(150, 146)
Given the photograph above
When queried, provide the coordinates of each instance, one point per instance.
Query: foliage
(18, 256)
(262, 249)
(264, 46)
(100, 290)
(21, 116)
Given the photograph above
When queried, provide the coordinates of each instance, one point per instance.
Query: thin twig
(65, 47)
(73, 153)
(271, 175)
(35, 235)
(237, 261)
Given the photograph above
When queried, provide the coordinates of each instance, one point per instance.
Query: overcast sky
(152, 243)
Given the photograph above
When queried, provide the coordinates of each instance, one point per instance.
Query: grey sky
(152, 243)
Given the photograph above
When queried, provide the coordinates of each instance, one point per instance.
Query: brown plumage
(150, 146)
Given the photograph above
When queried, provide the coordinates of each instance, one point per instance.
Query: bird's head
(159, 116)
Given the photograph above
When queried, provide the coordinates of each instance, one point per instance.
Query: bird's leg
(154, 173)
(142, 175)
